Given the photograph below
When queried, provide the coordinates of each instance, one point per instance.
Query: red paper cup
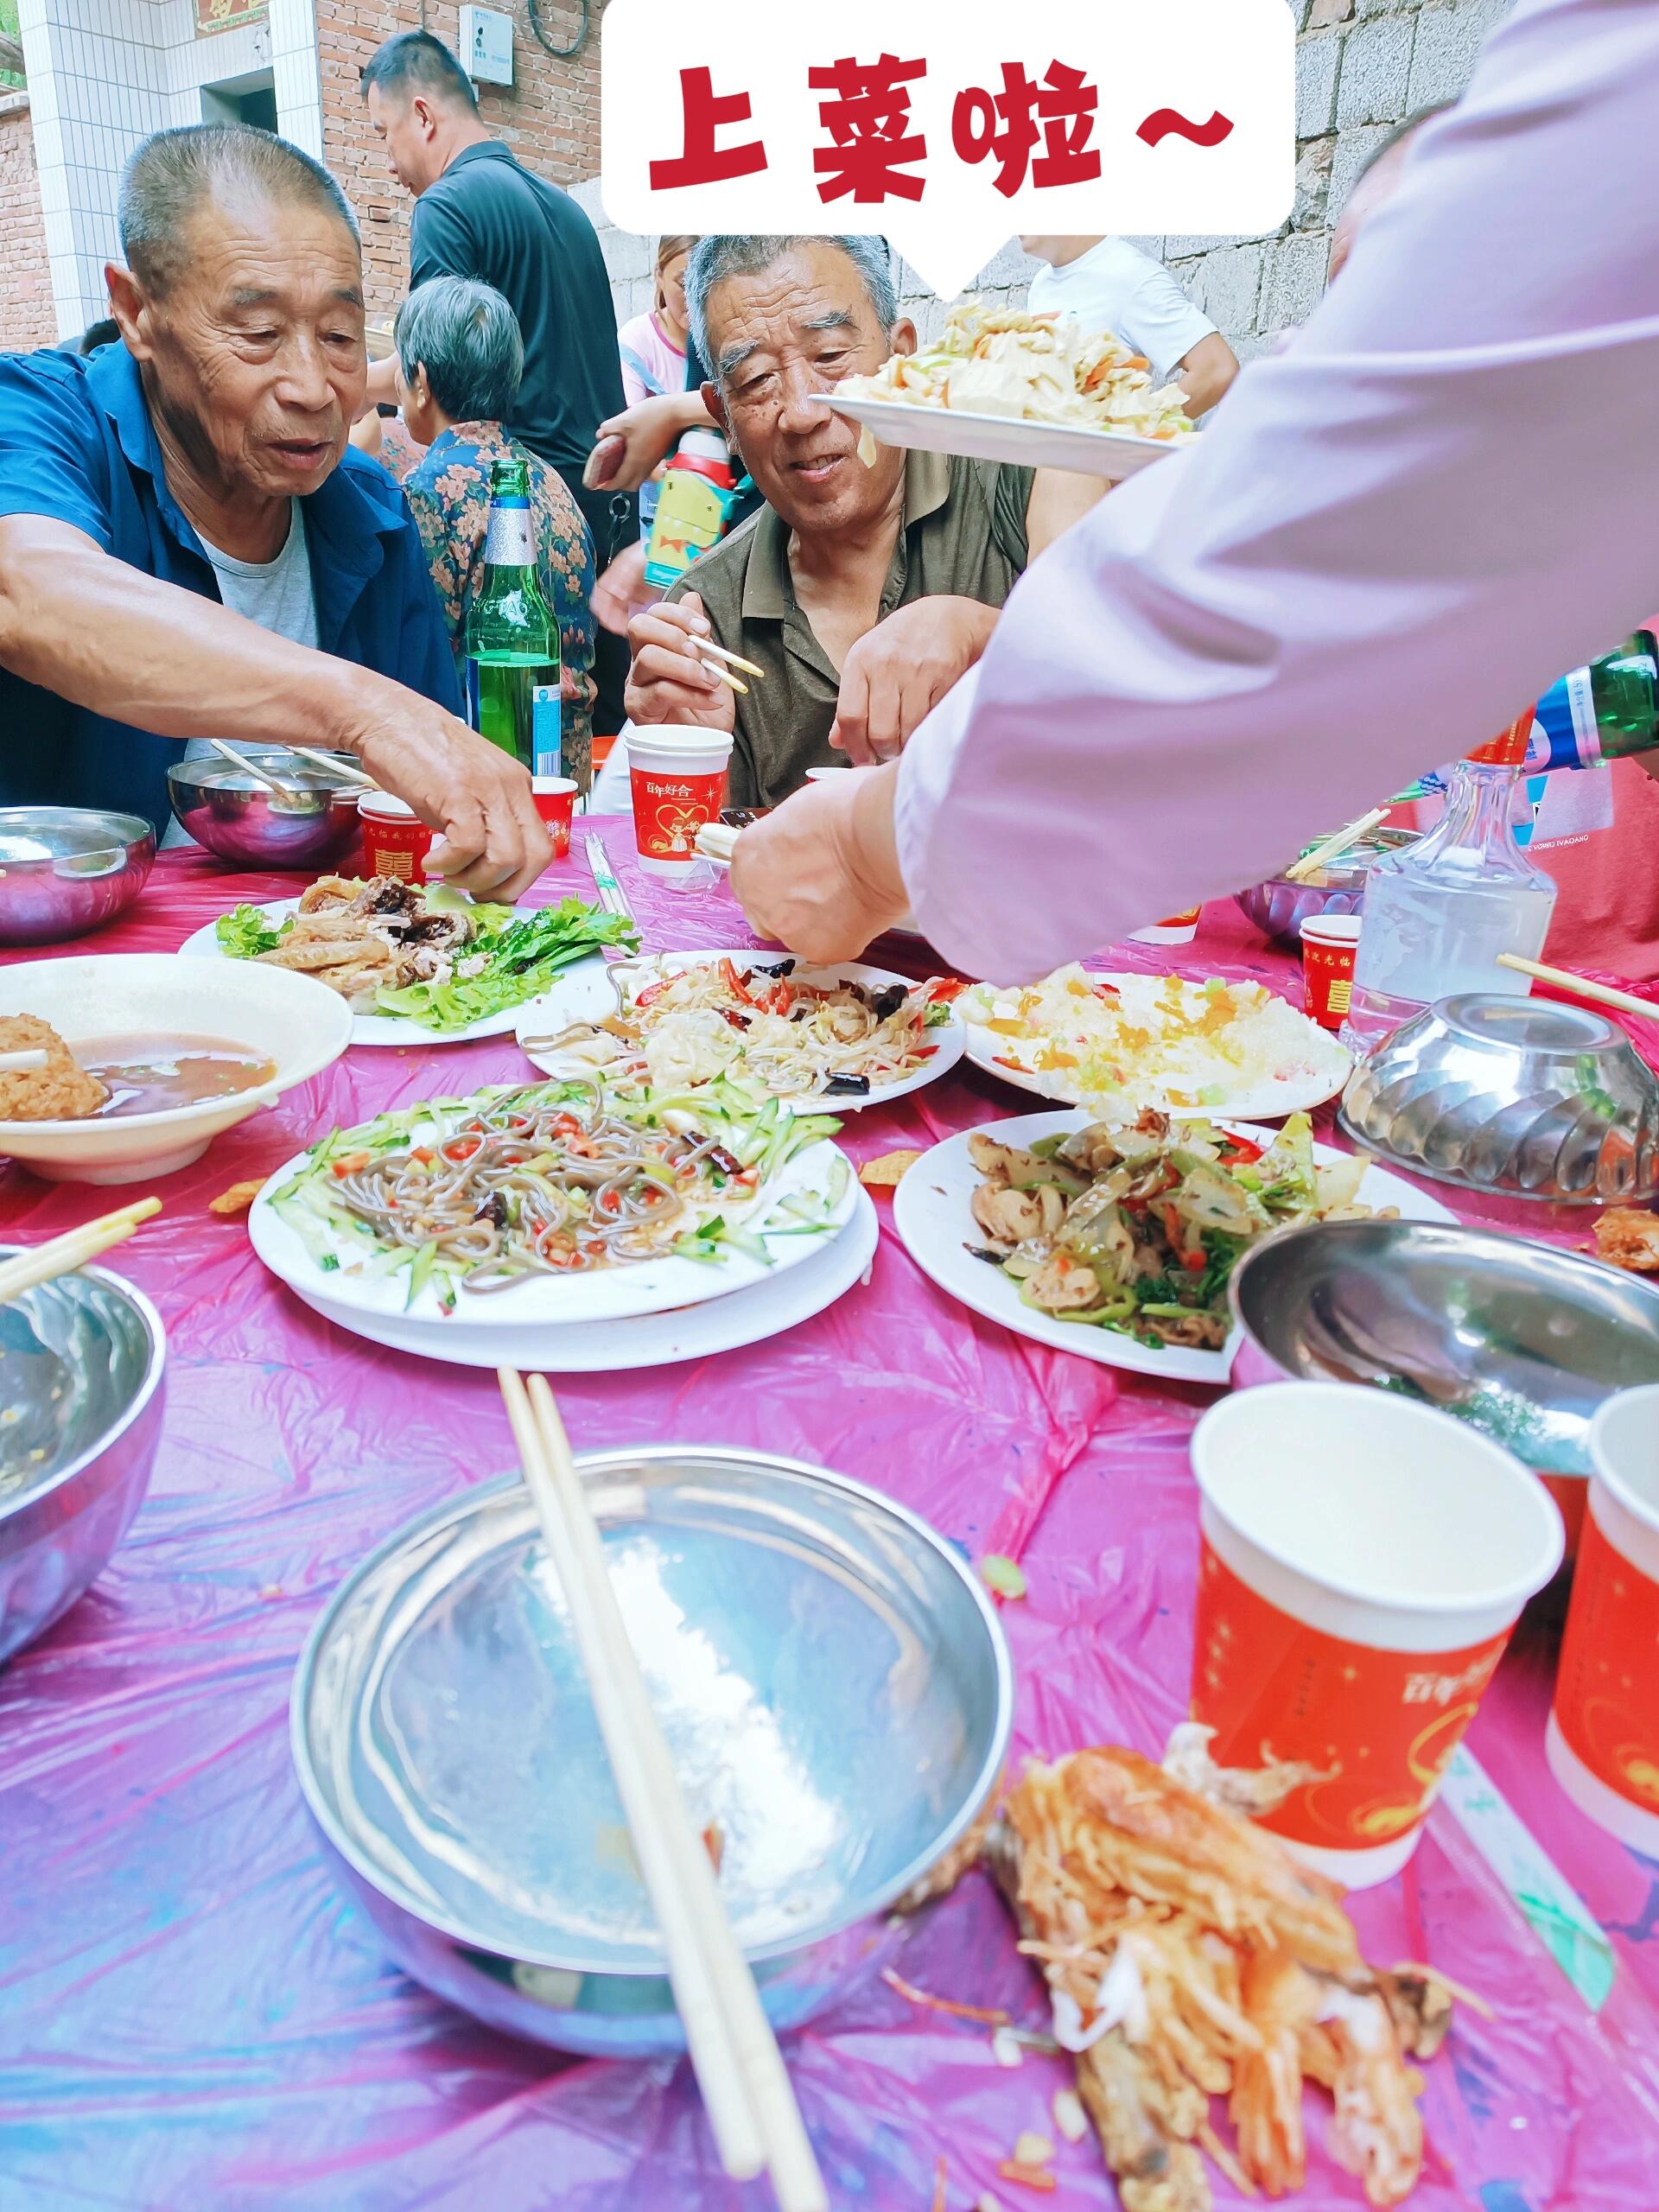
(396, 841)
(1179, 929)
(1364, 1558)
(1603, 1738)
(1330, 946)
(677, 776)
(556, 801)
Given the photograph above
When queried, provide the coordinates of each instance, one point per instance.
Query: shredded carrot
(940, 2172)
(911, 1995)
(1028, 2176)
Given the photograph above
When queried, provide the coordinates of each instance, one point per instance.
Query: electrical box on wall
(487, 46)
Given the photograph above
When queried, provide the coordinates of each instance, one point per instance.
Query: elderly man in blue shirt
(190, 548)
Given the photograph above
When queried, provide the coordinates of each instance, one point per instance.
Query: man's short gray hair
(716, 258)
(466, 339)
(172, 173)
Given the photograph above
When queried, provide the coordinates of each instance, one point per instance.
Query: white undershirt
(1116, 287)
(276, 594)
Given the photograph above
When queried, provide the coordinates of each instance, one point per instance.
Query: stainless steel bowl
(1518, 1097)
(1521, 1340)
(81, 1411)
(1279, 907)
(67, 869)
(226, 811)
(831, 1679)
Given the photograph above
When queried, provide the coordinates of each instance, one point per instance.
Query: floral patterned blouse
(449, 491)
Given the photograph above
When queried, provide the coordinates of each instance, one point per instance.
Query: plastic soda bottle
(693, 507)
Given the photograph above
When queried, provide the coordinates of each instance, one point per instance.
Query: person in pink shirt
(1394, 535)
(653, 345)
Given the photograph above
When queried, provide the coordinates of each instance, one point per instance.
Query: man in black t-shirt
(479, 212)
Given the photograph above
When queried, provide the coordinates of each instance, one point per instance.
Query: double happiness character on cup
(1603, 1738)
(396, 841)
(1364, 1558)
(677, 777)
(1330, 947)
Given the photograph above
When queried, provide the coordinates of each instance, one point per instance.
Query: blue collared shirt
(76, 444)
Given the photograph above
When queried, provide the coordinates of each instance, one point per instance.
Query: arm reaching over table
(183, 666)
(1393, 537)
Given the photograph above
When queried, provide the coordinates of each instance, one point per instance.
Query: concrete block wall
(1362, 67)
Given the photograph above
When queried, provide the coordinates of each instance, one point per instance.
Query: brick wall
(27, 319)
(1362, 66)
(549, 115)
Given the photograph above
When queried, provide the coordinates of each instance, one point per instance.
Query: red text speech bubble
(947, 125)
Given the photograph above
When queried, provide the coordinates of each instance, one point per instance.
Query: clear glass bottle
(1438, 913)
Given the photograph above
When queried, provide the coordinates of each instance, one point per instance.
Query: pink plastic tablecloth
(193, 2017)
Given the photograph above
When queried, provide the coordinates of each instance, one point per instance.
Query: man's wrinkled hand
(649, 430)
(492, 843)
(897, 672)
(668, 682)
(819, 875)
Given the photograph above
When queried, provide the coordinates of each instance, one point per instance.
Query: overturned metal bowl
(65, 870)
(832, 1682)
(1518, 1098)
(81, 1363)
(1279, 907)
(312, 823)
(1521, 1340)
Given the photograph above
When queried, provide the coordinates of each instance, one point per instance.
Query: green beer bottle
(1604, 712)
(512, 640)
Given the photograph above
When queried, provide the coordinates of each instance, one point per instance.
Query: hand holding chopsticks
(61, 1255)
(751, 2108)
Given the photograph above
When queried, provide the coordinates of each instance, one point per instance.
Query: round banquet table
(194, 2018)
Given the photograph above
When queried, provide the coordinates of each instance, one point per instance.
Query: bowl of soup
(152, 1057)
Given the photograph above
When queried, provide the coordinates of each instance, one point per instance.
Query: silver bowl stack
(312, 820)
(831, 1679)
(1520, 1099)
(65, 870)
(81, 1363)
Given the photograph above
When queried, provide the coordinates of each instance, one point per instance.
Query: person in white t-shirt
(1110, 285)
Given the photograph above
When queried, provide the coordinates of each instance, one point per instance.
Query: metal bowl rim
(1378, 1151)
(207, 776)
(155, 1367)
(604, 1462)
(124, 850)
(1432, 1233)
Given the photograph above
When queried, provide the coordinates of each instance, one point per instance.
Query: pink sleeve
(1395, 534)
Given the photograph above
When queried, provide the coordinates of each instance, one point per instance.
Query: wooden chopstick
(1581, 987)
(731, 683)
(734, 660)
(751, 2106)
(607, 1660)
(1305, 866)
(61, 1255)
(341, 769)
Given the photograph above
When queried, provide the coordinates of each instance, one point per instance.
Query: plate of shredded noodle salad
(842, 1037)
(1163, 1041)
(554, 1202)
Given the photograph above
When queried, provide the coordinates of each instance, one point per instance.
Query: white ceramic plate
(585, 993)
(1266, 1100)
(931, 1212)
(604, 1294)
(370, 1028)
(1111, 453)
(747, 1317)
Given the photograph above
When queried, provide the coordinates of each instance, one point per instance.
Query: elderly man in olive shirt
(864, 593)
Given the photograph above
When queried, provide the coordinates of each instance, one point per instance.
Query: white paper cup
(1176, 929)
(821, 775)
(677, 777)
(1364, 1558)
(1603, 1738)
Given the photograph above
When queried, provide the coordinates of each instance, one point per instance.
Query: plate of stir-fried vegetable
(1117, 1241)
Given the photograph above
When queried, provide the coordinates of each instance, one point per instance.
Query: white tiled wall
(102, 75)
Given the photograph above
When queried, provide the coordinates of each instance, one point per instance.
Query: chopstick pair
(61, 1255)
(1311, 862)
(752, 2109)
(335, 768)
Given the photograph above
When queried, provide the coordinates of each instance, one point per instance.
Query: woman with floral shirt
(460, 358)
